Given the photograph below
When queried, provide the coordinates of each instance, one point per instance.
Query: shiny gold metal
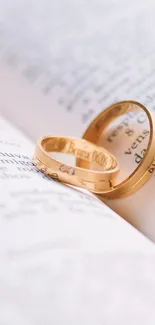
(93, 180)
(143, 172)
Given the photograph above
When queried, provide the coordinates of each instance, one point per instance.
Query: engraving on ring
(99, 158)
(78, 152)
(93, 156)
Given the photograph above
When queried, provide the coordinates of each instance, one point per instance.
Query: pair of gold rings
(102, 180)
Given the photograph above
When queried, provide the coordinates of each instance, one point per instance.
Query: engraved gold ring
(93, 180)
(143, 172)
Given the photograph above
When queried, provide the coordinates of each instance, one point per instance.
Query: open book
(66, 257)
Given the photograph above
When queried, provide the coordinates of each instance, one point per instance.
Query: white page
(68, 62)
(65, 257)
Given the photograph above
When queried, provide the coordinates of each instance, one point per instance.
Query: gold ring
(142, 173)
(94, 181)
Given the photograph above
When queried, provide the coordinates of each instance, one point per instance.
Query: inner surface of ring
(89, 153)
(124, 130)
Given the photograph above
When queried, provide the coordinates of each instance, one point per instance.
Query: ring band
(94, 181)
(142, 173)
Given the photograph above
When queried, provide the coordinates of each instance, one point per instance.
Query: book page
(68, 62)
(64, 255)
